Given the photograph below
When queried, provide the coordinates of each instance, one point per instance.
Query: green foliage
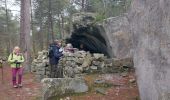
(108, 8)
(102, 8)
(7, 31)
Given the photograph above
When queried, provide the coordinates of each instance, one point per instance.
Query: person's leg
(57, 71)
(52, 72)
(61, 71)
(20, 73)
(14, 72)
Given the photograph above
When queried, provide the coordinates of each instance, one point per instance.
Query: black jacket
(54, 54)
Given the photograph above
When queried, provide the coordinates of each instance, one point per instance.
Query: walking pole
(1, 66)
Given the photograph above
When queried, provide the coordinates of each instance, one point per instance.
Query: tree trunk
(41, 29)
(59, 26)
(47, 36)
(32, 28)
(9, 49)
(83, 6)
(25, 32)
(50, 18)
(62, 26)
(70, 24)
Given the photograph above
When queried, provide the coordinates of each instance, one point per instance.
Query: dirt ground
(29, 91)
(121, 88)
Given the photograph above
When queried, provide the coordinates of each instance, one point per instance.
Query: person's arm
(10, 60)
(58, 54)
(21, 60)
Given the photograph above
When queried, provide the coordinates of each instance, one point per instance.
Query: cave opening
(88, 38)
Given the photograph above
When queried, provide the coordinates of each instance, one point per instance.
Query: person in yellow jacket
(16, 59)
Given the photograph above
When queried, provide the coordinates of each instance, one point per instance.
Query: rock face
(150, 24)
(118, 36)
(86, 35)
(61, 86)
(112, 37)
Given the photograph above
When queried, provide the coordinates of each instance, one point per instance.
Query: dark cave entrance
(89, 38)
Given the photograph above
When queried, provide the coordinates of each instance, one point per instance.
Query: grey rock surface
(118, 36)
(150, 24)
(60, 86)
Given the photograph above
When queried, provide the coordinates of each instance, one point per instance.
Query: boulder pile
(40, 65)
(74, 64)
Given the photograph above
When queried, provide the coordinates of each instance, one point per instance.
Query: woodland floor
(29, 91)
(121, 88)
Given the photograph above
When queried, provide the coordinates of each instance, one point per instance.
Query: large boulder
(60, 86)
(150, 24)
(111, 37)
(118, 36)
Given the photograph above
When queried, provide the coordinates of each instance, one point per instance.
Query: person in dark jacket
(54, 56)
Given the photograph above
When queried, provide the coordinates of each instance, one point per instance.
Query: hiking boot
(15, 86)
(20, 85)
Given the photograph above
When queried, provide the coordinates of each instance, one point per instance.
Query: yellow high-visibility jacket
(13, 57)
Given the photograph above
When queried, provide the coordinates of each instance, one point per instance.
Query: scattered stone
(125, 74)
(99, 81)
(117, 85)
(18, 95)
(132, 80)
(67, 98)
(101, 91)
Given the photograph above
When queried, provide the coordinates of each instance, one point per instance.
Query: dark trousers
(55, 71)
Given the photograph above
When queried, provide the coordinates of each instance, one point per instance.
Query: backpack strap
(20, 56)
(12, 56)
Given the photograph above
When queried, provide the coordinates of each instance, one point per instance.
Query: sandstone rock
(40, 65)
(79, 61)
(87, 61)
(69, 58)
(93, 67)
(69, 72)
(127, 62)
(98, 56)
(67, 98)
(57, 86)
(132, 80)
(101, 91)
(102, 65)
(96, 63)
(124, 74)
(108, 61)
(99, 81)
(118, 36)
(150, 25)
